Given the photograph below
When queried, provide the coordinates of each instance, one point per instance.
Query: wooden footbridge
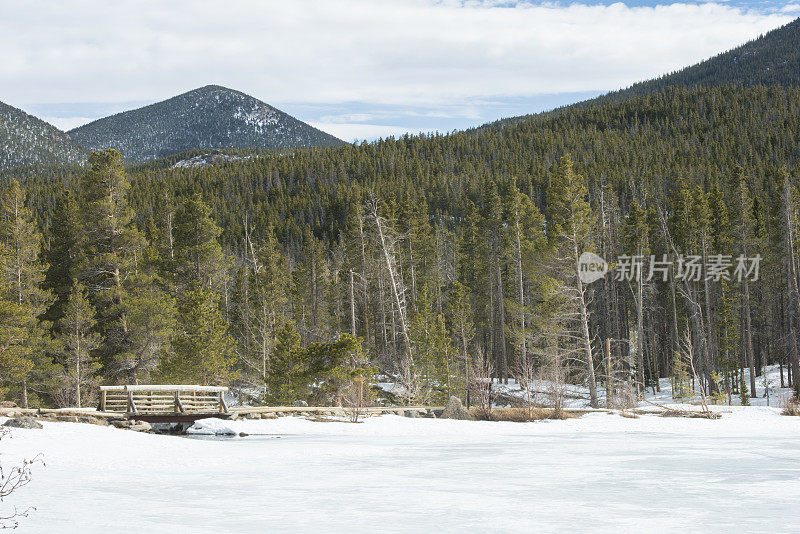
(186, 404)
(164, 403)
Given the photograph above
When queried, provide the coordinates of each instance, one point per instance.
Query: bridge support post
(223, 408)
(178, 405)
(131, 404)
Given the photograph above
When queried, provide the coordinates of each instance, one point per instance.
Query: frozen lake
(600, 473)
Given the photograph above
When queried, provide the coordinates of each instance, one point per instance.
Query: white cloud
(448, 54)
(348, 117)
(360, 131)
(68, 123)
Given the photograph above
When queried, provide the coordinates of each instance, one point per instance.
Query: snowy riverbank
(406, 475)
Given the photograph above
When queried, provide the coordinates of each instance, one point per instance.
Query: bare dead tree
(695, 309)
(13, 479)
(387, 241)
(620, 382)
(557, 347)
(415, 390)
(480, 384)
(353, 400)
(687, 353)
(528, 372)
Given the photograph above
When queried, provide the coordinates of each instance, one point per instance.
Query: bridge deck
(174, 401)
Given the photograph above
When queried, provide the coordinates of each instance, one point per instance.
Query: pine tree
(312, 283)
(729, 340)
(492, 224)
(24, 272)
(63, 255)
(78, 340)
(471, 270)
(110, 247)
(636, 240)
(151, 325)
(744, 396)
(742, 209)
(681, 381)
(263, 293)
(462, 327)
(286, 381)
(572, 220)
(202, 349)
(418, 250)
(526, 247)
(434, 354)
(15, 358)
(198, 256)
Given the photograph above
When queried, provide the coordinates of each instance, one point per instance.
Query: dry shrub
(791, 407)
(518, 415)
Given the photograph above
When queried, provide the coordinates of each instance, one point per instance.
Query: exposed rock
(23, 422)
(252, 416)
(141, 426)
(64, 418)
(300, 404)
(269, 416)
(168, 428)
(92, 420)
(455, 410)
(8, 404)
(411, 413)
(122, 423)
(49, 418)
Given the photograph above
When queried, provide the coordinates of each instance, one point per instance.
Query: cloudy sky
(357, 68)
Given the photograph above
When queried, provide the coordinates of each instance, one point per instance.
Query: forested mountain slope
(209, 117)
(771, 59)
(26, 140)
(641, 145)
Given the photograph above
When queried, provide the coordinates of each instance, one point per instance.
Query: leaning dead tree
(686, 355)
(387, 240)
(696, 309)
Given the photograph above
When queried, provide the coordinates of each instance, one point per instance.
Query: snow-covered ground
(578, 396)
(602, 472)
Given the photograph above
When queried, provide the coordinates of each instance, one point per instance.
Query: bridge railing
(163, 399)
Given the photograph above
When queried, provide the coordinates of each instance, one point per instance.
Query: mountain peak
(210, 117)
